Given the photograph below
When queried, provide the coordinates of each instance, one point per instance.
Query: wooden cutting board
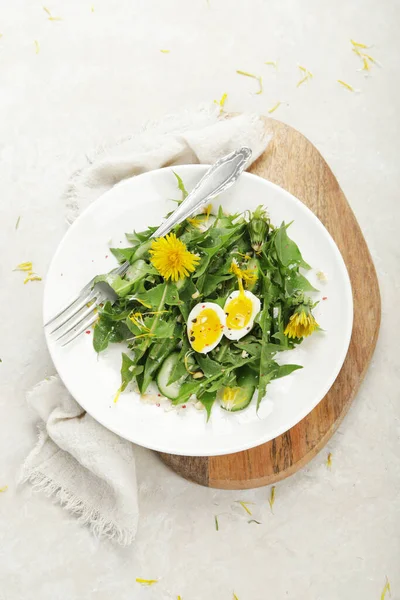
(292, 162)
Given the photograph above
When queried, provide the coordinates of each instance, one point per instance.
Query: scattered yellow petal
(366, 66)
(17, 223)
(216, 523)
(272, 63)
(257, 77)
(235, 597)
(92, 8)
(37, 47)
(357, 51)
(275, 107)
(375, 62)
(346, 85)
(165, 51)
(386, 589)
(221, 102)
(272, 498)
(117, 395)
(50, 17)
(32, 277)
(302, 81)
(244, 505)
(146, 581)
(25, 266)
(329, 460)
(1, 35)
(178, 598)
(4, 488)
(358, 44)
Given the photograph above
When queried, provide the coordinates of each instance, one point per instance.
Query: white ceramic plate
(93, 380)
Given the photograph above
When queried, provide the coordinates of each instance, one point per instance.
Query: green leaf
(121, 286)
(129, 370)
(297, 282)
(211, 283)
(159, 327)
(207, 365)
(265, 374)
(181, 186)
(283, 370)
(286, 249)
(107, 331)
(207, 399)
(101, 335)
(153, 296)
(123, 254)
(180, 369)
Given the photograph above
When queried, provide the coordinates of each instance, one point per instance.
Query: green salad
(205, 309)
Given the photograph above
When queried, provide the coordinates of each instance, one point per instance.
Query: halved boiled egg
(241, 308)
(205, 326)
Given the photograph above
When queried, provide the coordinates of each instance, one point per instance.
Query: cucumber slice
(239, 397)
(171, 391)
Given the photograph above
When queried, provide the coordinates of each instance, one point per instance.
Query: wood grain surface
(292, 162)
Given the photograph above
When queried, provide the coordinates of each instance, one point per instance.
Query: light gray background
(99, 75)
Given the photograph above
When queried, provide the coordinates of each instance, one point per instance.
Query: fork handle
(217, 179)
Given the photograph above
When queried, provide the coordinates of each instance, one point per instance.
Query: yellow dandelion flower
(171, 258)
(302, 323)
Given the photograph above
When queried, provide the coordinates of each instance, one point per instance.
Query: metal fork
(80, 312)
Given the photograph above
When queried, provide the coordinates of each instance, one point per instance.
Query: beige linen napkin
(86, 468)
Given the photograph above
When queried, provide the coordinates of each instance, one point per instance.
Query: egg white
(194, 313)
(237, 334)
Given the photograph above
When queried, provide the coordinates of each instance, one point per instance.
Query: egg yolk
(205, 329)
(238, 311)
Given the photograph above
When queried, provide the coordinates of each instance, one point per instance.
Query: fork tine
(85, 326)
(77, 309)
(75, 322)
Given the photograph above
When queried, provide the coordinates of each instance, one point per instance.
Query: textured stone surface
(99, 75)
